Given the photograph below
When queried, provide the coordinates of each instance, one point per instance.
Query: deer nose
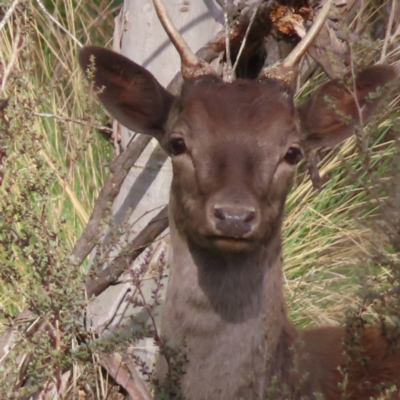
(234, 220)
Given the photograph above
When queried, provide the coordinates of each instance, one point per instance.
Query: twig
(7, 340)
(139, 382)
(103, 279)
(49, 16)
(229, 73)
(243, 44)
(237, 31)
(388, 31)
(8, 14)
(123, 376)
(101, 128)
(354, 94)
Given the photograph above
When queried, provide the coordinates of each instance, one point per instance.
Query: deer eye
(177, 146)
(293, 155)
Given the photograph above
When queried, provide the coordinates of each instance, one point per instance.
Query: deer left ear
(332, 112)
(130, 93)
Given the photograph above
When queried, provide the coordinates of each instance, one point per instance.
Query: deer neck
(228, 314)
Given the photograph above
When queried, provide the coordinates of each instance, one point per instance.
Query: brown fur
(368, 367)
(225, 308)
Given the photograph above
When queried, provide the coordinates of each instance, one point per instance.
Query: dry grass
(329, 235)
(64, 115)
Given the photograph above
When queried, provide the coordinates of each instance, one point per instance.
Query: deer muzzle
(234, 221)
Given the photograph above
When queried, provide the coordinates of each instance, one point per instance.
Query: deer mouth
(231, 243)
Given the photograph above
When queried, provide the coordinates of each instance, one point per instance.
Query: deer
(234, 148)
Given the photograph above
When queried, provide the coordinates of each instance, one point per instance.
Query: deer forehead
(232, 114)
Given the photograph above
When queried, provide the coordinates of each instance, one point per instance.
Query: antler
(287, 70)
(192, 66)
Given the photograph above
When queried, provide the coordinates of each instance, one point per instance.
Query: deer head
(234, 146)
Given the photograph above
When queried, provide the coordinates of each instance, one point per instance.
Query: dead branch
(126, 376)
(119, 170)
(261, 27)
(103, 279)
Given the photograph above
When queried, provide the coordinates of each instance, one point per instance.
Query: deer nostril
(248, 216)
(241, 214)
(234, 220)
(220, 213)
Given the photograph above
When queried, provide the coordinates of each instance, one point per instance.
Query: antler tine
(192, 66)
(287, 70)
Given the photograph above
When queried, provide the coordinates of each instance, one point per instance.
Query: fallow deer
(234, 149)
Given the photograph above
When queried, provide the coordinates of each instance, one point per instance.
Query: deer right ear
(330, 115)
(128, 91)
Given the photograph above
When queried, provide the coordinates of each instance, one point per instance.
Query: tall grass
(330, 234)
(63, 115)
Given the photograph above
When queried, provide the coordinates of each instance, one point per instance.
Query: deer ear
(330, 115)
(130, 93)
